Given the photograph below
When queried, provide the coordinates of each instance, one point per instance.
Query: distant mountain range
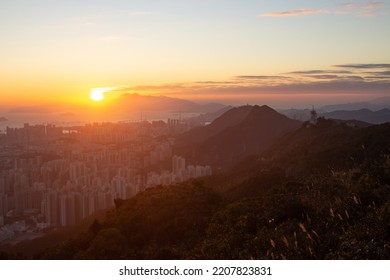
(126, 103)
(233, 136)
(363, 115)
(374, 105)
(207, 118)
(366, 115)
(137, 102)
(376, 111)
(125, 107)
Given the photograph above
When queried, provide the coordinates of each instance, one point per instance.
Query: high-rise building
(178, 164)
(62, 209)
(3, 210)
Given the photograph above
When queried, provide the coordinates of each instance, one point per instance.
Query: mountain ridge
(234, 135)
(366, 115)
(140, 102)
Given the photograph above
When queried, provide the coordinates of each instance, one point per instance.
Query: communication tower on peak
(313, 116)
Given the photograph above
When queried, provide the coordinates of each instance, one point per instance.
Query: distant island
(3, 119)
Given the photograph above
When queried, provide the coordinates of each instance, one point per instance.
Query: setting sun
(97, 94)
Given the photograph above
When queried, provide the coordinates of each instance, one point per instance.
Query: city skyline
(31, 184)
(270, 52)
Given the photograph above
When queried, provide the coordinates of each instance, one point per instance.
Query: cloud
(214, 82)
(309, 72)
(380, 73)
(261, 77)
(379, 77)
(368, 8)
(347, 5)
(364, 66)
(351, 85)
(355, 80)
(338, 86)
(329, 87)
(324, 77)
(157, 88)
(295, 13)
(335, 77)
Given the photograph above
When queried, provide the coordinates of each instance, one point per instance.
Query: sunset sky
(249, 50)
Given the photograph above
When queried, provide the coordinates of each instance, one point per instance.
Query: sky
(248, 51)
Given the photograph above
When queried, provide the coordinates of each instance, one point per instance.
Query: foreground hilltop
(236, 134)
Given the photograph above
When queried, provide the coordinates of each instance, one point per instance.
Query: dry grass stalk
(285, 241)
(331, 213)
(302, 227)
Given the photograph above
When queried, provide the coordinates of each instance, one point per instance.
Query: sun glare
(97, 95)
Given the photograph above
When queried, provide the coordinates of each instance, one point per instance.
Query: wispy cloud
(364, 66)
(325, 77)
(309, 72)
(295, 13)
(377, 77)
(382, 73)
(337, 79)
(171, 88)
(262, 77)
(319, 81)
(368, 8)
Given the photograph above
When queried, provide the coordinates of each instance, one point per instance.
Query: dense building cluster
(56, 176)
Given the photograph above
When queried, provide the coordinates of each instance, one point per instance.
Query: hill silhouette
(366, 115)
(138, 102)
(373, 105)
(233, 136)
(207, 118)
(123, 107)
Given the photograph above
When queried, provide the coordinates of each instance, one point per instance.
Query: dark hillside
(239, 133)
